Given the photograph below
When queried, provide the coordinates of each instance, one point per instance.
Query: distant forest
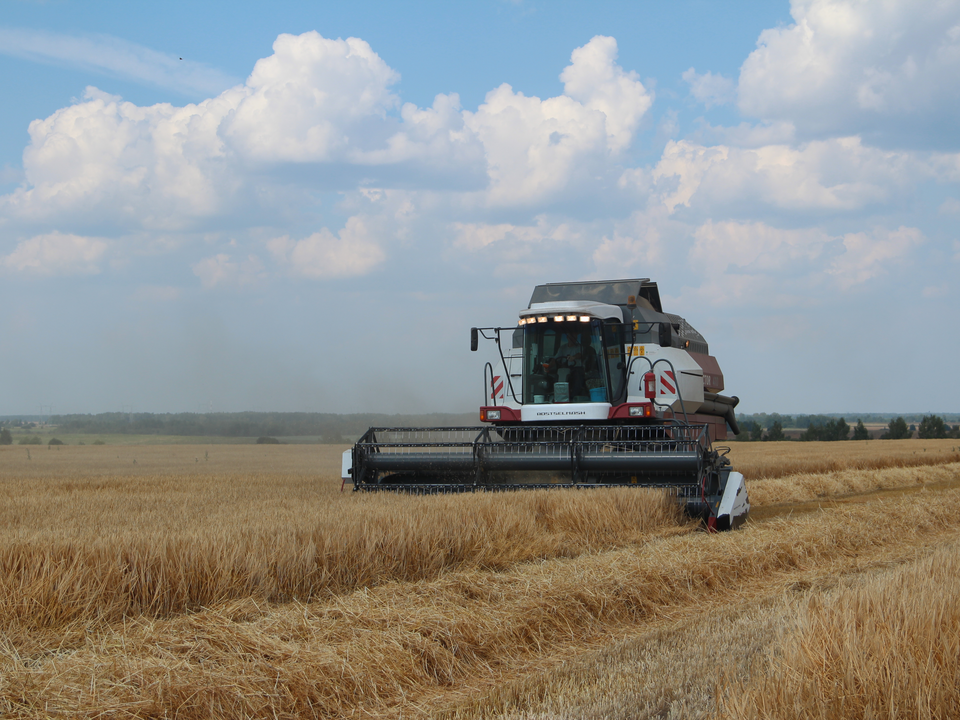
(326, 427)
(332, 428)
(802, 422)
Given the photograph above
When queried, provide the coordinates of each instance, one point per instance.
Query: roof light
(542, 318)
(558, 318)
(571, 318)
(584, 318)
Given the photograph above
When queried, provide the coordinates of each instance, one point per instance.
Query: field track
(663, 622)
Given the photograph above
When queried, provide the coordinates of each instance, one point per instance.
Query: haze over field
(304, 208)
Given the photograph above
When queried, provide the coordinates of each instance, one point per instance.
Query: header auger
(596, 387)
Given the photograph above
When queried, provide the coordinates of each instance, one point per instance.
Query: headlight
(493, 414)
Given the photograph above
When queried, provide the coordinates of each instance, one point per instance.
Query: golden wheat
(425, 644)
(238, 581)
(778, 459)
(102, 548)
(887, 647)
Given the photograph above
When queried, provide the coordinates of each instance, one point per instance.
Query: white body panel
(564, 411)
(346, 465)
(735, 503)
(683, 380)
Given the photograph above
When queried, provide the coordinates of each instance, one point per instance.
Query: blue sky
(311, 207)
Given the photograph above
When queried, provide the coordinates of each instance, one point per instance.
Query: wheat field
(239, 581)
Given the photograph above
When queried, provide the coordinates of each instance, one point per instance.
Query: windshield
(566, 362)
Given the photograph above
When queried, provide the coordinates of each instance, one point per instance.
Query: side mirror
(666, 335)
(474, 339)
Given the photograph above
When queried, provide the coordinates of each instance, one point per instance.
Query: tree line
(328, 427)
(831, 429)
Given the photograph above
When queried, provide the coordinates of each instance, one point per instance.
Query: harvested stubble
(415, 646)
(887, 647)
(779, 459)
(672, 671)
(803, 487)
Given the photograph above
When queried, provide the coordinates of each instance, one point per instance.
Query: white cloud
(847, 66)
(476, 236)
(868, 255)
(57, 254)
(836, 174)
(301, 103)
(155, 167)
(116, 57)
(222, 269)
(634, 243)
(534, 147)
(327, 103)
(755, 264)
(708, 88)
(754, 247)
(351, 252)
(595, 80)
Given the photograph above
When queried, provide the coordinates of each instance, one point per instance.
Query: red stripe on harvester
(667, 385)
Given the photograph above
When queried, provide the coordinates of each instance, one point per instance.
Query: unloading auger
(596, 387)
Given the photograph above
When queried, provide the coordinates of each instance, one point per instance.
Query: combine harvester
(595, 387)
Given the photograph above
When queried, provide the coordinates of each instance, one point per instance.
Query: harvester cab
(595, 386)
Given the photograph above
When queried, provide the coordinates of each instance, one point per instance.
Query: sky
(305, 207)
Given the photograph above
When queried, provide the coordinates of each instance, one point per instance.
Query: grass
(237, 581)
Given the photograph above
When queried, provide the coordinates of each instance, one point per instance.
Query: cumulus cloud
(57, 254)
(476, 236)
(754, 246)
(835, 174)
(322, 255)
(535, 147)
(749, 263)
(157, 167)
(708, 88)
(634, 243)
(594, 79)
(327, 104)
(868, 255)
(301, 103)
(845, 67)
